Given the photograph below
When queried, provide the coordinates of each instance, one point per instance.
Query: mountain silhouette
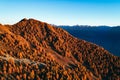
(105, 36)
(31, 49)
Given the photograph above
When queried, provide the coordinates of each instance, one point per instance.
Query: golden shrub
(11, 60)
(32, 74)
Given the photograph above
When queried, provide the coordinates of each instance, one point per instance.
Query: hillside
(105, 36)
(31, 49)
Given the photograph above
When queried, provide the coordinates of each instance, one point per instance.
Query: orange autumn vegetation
(31, 49)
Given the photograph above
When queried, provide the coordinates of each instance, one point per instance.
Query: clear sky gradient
(62, 12)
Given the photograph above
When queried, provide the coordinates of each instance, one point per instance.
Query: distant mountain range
(105, 36)
(35, 50)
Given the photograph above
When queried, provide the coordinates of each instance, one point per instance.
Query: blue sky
(62, 12)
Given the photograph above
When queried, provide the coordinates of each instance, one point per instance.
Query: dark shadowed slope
(105, 36)
(31, 49)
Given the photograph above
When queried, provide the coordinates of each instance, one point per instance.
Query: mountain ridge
(41, 43)
(107, 37)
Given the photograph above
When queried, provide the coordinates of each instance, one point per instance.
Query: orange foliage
(35, 50)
